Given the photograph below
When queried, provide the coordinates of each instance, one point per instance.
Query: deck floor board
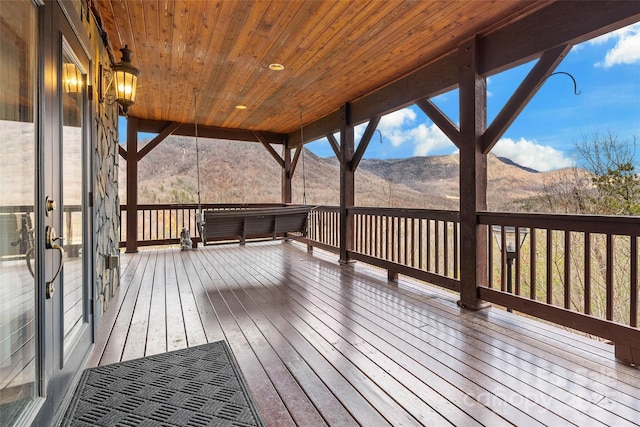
(324, 344)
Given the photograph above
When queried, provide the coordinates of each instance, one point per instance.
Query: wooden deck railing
(161, 224)
(578, 271)
(323, 228)
(420, 243)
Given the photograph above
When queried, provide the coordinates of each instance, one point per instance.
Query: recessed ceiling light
(276, 67)
(241, 107)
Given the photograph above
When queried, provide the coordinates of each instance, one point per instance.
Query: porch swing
(250, 223)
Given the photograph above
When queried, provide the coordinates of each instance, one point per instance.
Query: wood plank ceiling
(333, 51)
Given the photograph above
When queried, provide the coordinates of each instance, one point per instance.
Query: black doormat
(197, 386)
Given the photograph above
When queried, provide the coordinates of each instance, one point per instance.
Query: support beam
(441, 120)
(132, 185)
(522, 95)
(364, 143)
(347, 188)
(188, 129)
(473, 176)
(168, 130)
(286, 175)
(122, 151)
(334, 145)
(296, 157)
(271, 151)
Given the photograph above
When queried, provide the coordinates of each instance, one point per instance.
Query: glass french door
(19, 255)
(67, 229)
(46, 290)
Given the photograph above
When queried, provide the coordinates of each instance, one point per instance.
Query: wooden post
(132, 185)
(347, 190)
(286, 174)
(473, 177)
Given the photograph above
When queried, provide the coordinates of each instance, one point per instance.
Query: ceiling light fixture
(276, 67)
(241, 107)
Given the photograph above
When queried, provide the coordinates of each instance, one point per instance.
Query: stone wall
(106, 205)
(105, 157)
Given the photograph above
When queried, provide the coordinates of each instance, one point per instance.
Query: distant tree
(611, 163)
(569, 192)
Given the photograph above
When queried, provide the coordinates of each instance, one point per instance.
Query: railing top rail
(445, 215)
(325, 208)
(205, 206)
(606, 224)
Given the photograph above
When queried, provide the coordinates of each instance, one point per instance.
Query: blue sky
(544, 136)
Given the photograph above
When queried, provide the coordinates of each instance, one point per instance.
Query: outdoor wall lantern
(124, 78)
(511, 239)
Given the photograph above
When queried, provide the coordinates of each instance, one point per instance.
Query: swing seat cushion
(242, 224)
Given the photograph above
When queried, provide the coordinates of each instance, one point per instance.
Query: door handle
(49, 243)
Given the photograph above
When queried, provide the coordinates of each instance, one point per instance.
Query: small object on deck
(185, 239)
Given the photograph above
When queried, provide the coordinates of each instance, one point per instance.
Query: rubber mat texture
(198, 386)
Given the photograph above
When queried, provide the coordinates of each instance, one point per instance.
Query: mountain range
(244, 172)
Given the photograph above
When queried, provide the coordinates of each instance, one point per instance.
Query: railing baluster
(633, 285)
(517, 273)
(549, 267)
(532, 265)
(385, 255)
(398, 238)
(366, 234)
(405, 235)
(567, 269)
(437, 246)
(490, 257)
(393, 239)
(363, 231)
(445, 224)
(587, 273)
(326, 238)
(609, 276)
(143, 225)
(456, 251)
(420, 242)
(414, 236)
(370, 228)
(503, 260)
(428, 240)
(376, 237)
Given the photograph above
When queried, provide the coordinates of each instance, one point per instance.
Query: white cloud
(626, 49)
(398, 118)
(400, 128)
(393, 124)
(428, 139)
(532, 155)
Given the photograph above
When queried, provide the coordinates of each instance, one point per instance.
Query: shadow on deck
(321, 343)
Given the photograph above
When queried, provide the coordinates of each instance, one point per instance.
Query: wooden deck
(321, 343)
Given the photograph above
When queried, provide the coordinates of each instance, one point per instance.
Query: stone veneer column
(106, 202)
